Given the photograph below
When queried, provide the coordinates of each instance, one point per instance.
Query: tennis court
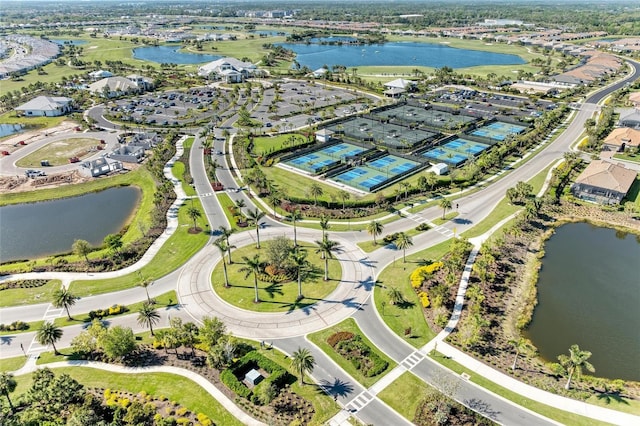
(375, 172)
(416, 114)
(389, 134)
(466, 147)
(445, 156)
(327, 156)
(498, 130)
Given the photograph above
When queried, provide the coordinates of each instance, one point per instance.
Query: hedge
(236, 386)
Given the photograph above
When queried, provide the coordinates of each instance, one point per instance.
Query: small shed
(324, 135)
(440, 169)
(253, 377)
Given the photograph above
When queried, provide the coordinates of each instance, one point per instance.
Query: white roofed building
(230, 70)
(46, 106)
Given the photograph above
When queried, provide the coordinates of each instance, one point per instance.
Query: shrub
(418, 276)
(424, 299)
(338, 337)
(204, 419)
(15, 326)
(379, 365)
(231, 381)
(101, 313)
(423, 227)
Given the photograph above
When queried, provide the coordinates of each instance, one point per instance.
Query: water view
(168, 54)
(9, 129)
(589, 293)
(315, 56)
(40, 229)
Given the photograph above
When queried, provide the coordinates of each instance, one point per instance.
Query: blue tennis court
(446, 156)
(325, 157)
(498, 130)
(466, 147)
(375, 172)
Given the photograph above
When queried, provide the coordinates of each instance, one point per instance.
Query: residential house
(603, 182)
(46, 106)
(622, 138)
(631, 119)
(635, 99)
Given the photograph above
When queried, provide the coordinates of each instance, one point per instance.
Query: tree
(194, 213)
(444, 204)
(403, 242)
(226, 233)
(344, 196)
(520, 345)
(326, 247)
(222, 246)
(575, 362)
(252, 266)
(303, 362)
(300, 263)
(113, 242)
(212, 331)
(395, 296)
(7, 385)
(324, 224)
(254, 217)
(375, 228)
(295, 216)
(148, 316)
(145, 283)
(49, 334)
(62, 298)
(316, 191)
(117, 342)
(81, 248)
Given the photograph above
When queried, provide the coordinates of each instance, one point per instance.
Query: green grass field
(12, 364)
(320, 339)
(28, 296)
(275, 297)
(226, 202)
(405, 394)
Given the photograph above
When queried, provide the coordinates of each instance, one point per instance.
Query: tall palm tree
(226, 233)
(62, 298)
(344, 196)
(520, 345)
(300, 263)
(240, 204)
(222, 246)
(7, 385)
(295, 216)
(575, 362)
(316, 191)
(375, 228)
(403, 242)
(303, 362)
(49, 334)
(194, 213)
(145, 283)
(148, 316)
(254, 216)
(324, 224)
(252, 266)
(326, 247)
(444, 204)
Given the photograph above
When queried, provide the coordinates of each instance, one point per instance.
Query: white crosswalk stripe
(359, 402)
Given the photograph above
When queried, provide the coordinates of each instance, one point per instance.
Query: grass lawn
(628, 157)
(59, 152)
(447, 218)
(275, 297)
(28, 296)
(634, 192)
(320, 339)
(265, 145)
(12, 364)
(140, 178)
(324, 405)
(175, 388)
(226, 202)
(179, 168)
(33, 326)
(369, 246)
(558, 415)
(175, 252)
(405, 394)
(398, 318)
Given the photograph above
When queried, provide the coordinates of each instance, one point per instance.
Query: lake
(9, 129)
(35, 230)
(168, 54)
(315, 56)
(589, 294)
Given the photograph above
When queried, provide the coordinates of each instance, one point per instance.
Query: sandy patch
(11, 144)
(93, 47)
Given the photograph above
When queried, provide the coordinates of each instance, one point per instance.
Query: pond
(589, 294)
(36, 230)
(67, 42)
(168, 54)
(9, 129)
(315, 56)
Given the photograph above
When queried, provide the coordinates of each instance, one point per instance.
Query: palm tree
(520, 345)
(375, 228)
(148, 316)
(145, 283)
(49, 334)
(406, 186)
(254, 217)
(316, 191)
(403, 242)
(445, 204)
(240, 204)
(194, 214)
(7, 385)
(574, 363)
(324, 224)
(344, 196)
(62, 298)
(326, 247)
(303, 362)
(252, 266)
(222, 246)
(300, 263)
(226, 233)
(395, 296)
(295, 216)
